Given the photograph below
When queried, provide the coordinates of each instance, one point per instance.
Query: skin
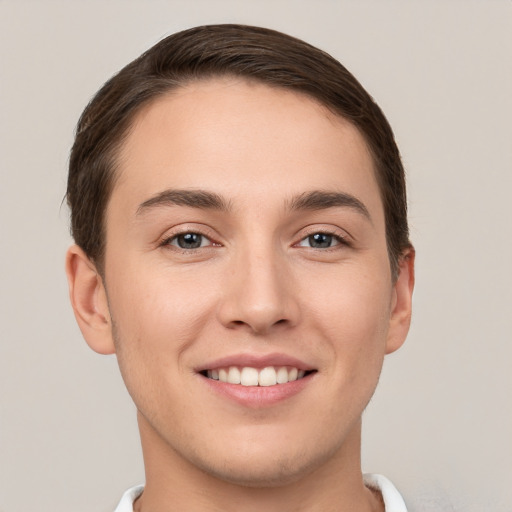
(256, 286)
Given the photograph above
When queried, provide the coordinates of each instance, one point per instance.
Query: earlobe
(89, 301)
(402, 302)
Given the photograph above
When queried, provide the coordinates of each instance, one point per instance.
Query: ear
(401, 306)
(89, 301)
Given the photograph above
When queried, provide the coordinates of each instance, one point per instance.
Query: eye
(189, 240)
(321, 241)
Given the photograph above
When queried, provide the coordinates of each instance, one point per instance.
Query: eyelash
(339, 238)
(168, 241)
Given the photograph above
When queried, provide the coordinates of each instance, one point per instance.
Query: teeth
(248, 376)
(267, 377)
(282, 376)
(234, 375)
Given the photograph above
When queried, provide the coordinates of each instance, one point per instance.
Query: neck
(174, 483)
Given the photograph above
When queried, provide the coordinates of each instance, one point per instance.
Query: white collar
(393, 501)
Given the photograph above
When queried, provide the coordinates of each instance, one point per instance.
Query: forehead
(243, 140)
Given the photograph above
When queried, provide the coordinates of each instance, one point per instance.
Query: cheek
(157, 315)
(352, 315)
(352, 299)
(155, 302)
(153, 325)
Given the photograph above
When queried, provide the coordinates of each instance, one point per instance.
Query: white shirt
(393, 502)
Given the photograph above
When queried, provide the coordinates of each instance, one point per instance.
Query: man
(238, 205)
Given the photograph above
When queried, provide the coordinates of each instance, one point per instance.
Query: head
(238, 203)
(254, 54)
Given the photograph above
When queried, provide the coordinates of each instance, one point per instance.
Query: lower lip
(258, 396)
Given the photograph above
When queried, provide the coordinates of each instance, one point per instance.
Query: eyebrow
(321, 199)
(201, 199)
(205, 200)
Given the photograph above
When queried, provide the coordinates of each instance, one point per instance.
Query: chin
(255, 474)
(262, 468)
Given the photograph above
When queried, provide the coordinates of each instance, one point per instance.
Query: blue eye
(320, 241)
(189, 241)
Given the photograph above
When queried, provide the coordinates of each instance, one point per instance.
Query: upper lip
(256, 361)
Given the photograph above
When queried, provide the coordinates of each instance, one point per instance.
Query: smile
(249, 376)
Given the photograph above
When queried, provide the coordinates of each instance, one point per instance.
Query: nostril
(236, 324)
(260, 327)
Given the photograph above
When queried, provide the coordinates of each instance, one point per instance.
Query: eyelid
(174, 241)
(172, 233)
(343, 236)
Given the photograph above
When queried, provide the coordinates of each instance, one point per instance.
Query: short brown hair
(254, 53)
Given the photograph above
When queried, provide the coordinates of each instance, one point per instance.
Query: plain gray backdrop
(440, 423)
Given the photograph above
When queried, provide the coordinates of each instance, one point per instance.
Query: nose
(258, 295)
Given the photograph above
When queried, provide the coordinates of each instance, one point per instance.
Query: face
(248, 280)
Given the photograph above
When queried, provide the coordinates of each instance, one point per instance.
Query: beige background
(440, 425)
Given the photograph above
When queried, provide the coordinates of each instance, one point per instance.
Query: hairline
(168, 87)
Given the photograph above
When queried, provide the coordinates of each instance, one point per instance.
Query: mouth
(257, 381)
(256, 377)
